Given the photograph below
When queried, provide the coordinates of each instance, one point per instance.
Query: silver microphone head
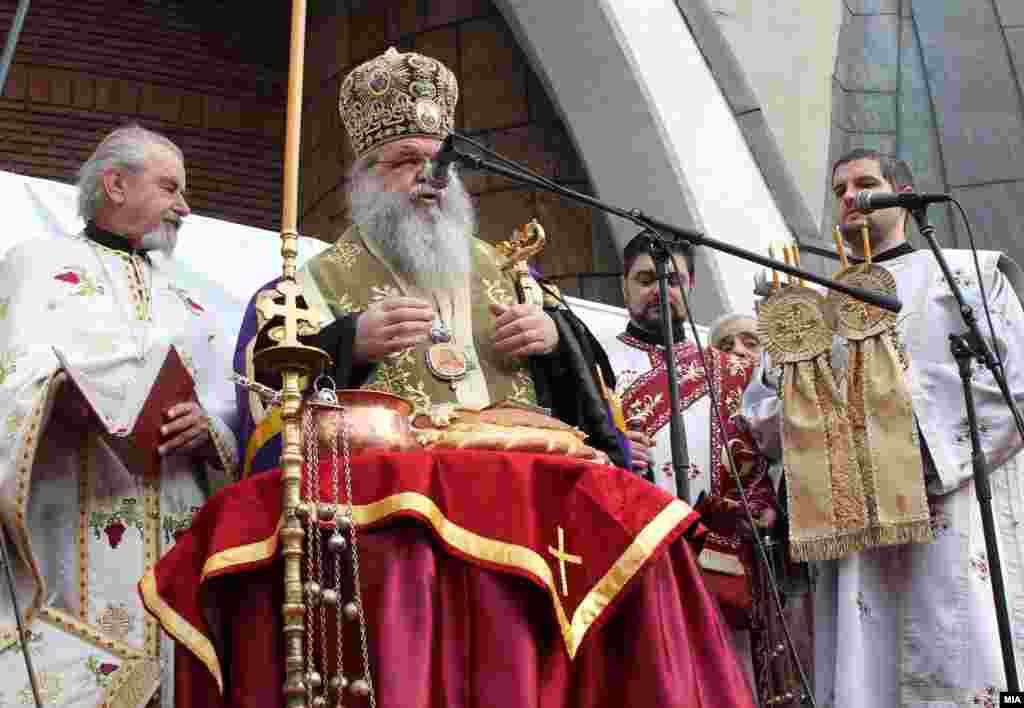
(862, 201)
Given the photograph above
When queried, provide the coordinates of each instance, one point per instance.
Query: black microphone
(866, 201)
(440, 171)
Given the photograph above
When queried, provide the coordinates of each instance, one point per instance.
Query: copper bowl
(373, 419)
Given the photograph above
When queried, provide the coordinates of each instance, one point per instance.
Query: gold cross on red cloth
(563, 558)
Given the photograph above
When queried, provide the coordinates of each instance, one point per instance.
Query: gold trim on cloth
(249, 553)
(151, 544)
(25, 458)
(493, 551)
(89, 633)
(179, 628)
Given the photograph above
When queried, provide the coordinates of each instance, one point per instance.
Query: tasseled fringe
(842, 545)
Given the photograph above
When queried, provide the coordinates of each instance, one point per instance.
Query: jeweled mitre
(397, 95)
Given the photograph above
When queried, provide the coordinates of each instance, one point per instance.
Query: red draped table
(488, 580)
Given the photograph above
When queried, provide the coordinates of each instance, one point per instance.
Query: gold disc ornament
(793, 325)
(856, 319)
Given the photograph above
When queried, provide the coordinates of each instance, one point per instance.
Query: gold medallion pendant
(447, 361)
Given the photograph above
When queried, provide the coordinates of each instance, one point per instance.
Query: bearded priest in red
(638, 359)
(485, 578)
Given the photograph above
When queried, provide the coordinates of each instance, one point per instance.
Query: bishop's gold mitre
(397, 95)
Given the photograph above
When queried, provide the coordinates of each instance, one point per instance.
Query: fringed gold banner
(828, 514)
(882, 416)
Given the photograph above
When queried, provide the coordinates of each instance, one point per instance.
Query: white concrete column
(653, 128)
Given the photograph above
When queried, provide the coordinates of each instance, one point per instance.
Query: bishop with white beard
(416, 304)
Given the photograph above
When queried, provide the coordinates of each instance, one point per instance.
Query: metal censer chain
(323, 513)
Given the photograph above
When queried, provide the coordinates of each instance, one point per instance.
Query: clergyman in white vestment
(913, 625)
(84, 526)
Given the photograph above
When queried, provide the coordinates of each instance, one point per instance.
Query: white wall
(787, 49)
(653, 128)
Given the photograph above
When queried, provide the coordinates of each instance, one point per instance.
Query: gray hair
(128, 148)
(720, 328)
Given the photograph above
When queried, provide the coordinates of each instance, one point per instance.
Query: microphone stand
(965, 347)
(886, 302)
(451, 154)
(22, 632)
(660, 254)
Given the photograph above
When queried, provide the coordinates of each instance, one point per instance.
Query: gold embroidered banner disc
(793, 325)
(855, 319)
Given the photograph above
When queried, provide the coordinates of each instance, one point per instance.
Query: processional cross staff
(283, 316)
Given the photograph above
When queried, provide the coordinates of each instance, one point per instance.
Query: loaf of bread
(503, 428)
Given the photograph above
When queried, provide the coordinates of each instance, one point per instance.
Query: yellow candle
(840, 251)
(864, 232)
(775, 273)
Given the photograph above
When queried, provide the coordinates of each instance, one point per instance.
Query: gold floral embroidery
(101, 670)
(8, 365)
(496, 292)
(644, 408)
(379, 292)
(51, 690)
(404, 357)
(418, 395)
(691, 372)
(523, 390)
(394, 375)
(345, 253)
(391, 376)
(13, 424)
(342, 304)
(175, 523)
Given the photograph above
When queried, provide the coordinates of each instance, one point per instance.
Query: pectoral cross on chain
(564, 558)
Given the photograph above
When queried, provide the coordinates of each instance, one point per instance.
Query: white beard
(429, 246)
(163, 239)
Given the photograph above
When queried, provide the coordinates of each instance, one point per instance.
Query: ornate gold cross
(298, 319)
(563, 558)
